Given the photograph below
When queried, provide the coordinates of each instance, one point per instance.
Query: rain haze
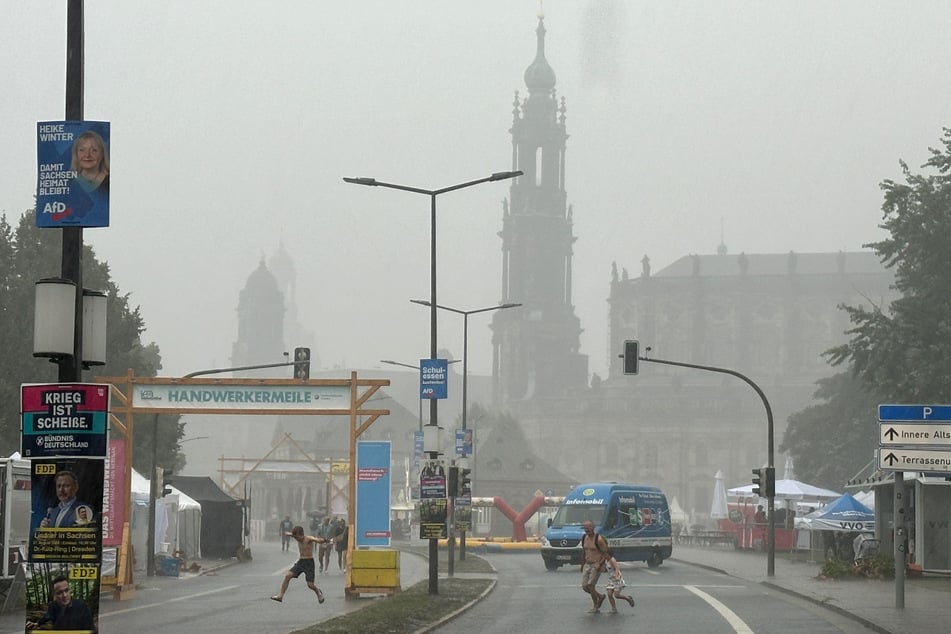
(767, 126)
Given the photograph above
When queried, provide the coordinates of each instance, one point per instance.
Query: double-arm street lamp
(414, 367)
(465, 369)
(465, 340)
(433, 413)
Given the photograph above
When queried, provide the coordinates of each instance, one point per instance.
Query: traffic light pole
(451, 489)
(771, 497)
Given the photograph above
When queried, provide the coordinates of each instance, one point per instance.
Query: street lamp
(433, 410)
(465, 339)
(465, 369)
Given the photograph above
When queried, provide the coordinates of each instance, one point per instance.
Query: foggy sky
(233, 124)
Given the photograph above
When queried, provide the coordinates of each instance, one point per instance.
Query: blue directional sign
(915, 413)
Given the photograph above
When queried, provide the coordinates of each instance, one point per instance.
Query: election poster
(72, 188)
(373, 493)
(62, 597)
(64, 419)
(66, 517)
(433, 504)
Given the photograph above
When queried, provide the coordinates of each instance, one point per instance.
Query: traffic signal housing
(770, 482)
(764, 482)
(166, 483)
(759, 482)
(465, 483)
(631, 352)
(452, 484)
(301, 363)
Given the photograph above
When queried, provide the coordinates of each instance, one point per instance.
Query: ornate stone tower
(260, 322)
(536, 349)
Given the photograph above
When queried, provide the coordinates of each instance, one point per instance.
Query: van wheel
(551, 566)
(654, 560)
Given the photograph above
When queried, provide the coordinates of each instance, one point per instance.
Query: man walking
(286, 527)
(595, 548)
(325, 532)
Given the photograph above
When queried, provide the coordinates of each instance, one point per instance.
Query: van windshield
(579, 514)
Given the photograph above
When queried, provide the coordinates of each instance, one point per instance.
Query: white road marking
(176, 600)
(735, 622)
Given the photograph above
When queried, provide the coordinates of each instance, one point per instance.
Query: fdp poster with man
(65, 522)
(72, 188)
(62, 597)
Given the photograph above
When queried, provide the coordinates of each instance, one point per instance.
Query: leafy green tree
(898, 353)
(835, 439)
(904, 352)
(27, 255)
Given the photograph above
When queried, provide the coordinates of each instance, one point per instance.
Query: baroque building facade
(767, 316)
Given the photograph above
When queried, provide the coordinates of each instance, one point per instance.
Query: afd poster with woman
(73, 174)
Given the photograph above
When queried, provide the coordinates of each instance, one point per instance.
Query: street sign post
(897, 434)
(915, 413)
(915, 438)
(935, 461)
(928, 428)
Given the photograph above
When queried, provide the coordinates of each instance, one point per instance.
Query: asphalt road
(676, 597)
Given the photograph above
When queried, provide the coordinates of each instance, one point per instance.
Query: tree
(28, 255)
(899, 353)
(834, 440)
(904, 352)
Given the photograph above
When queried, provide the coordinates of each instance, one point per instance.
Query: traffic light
(759, 482)
(301, 363)
(631, 351)
(465, 483)
(166, 483)
(770, 482)
(452, 485)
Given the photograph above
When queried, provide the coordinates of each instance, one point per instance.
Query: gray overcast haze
(233, 124)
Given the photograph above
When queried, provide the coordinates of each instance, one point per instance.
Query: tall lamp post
(465, 369)
(433, 410)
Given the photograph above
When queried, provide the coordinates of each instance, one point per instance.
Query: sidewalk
(870, 602)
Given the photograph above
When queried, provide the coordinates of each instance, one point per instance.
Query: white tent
(719, 509)
(790, 490)
(177, 522)
(677, 513)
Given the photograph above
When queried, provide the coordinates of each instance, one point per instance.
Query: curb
(449, 617)
(805, 597)
(829, 606)
(432, 626)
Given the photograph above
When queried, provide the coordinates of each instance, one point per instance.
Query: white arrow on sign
(935, 434)
(902, 459)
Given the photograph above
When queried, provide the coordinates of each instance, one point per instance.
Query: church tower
(536, 349)
(260, 322)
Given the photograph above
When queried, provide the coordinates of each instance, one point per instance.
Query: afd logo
(58, 210)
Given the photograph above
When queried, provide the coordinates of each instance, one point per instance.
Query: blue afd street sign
(913, 413)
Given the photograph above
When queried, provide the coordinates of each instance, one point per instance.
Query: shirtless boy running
(305, 543)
